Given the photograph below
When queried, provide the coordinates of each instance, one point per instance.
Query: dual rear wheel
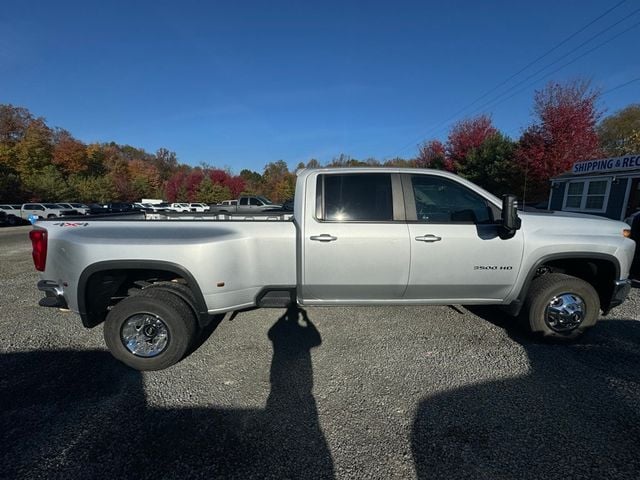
(150, 330)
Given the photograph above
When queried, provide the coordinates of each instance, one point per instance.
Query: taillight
(39, 244)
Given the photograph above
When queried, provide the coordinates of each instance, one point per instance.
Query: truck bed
(187, 216)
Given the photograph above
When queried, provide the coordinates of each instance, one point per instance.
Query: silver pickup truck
(246, 205)
(356, 237)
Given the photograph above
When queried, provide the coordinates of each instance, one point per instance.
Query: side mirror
(510, 220)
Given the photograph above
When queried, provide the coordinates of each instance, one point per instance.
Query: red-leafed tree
(565, 130)
(175, 186)
(236, 186)
(192, 184)
(465, 136)
(432, 154)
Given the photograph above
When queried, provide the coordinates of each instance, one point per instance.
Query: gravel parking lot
(420, 392)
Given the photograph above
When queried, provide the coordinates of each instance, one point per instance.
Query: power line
(593, 37)
(502, 100)
(580, 30)
(617, 87)
(553, 49)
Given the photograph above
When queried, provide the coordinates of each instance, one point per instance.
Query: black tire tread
(174, 311)
(542, 288)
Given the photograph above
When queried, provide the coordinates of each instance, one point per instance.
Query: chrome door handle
(325, 237)
(429, 238)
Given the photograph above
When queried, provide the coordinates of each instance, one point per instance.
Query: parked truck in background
(45, 210)
(246, 205)
(356, 237)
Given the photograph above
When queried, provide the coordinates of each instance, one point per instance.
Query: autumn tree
(13, 124)
(144, 178)
(432, 154)
(466, 135)
(166, 162)
(69, 154)
(620, 133)
(564, 131)
(279, 183)
(35, 148)
(253, 181)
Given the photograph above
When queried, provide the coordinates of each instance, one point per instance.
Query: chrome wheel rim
(565, 312)
(145, 335)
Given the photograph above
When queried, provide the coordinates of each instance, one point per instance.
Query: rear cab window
(355, 197)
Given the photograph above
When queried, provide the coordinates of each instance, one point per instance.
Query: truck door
(355, 247)
(456, 253)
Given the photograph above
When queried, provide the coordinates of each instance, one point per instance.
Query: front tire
(152, 330)
(560, 307)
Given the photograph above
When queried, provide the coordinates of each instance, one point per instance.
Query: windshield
(264, 200)
(51, 205)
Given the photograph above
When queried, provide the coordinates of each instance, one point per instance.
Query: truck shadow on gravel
(575, 415)
(81, 414)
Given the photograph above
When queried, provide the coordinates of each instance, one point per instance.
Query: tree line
(43, 163)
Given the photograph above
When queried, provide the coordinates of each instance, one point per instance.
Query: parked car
(3, 218)
(119, 207)
(158, 207)
(287, 205)
(12, 213)
(180, 207)
(199, 207)
(97, 209)
(247, 205)
(81, 208)
(45, 210)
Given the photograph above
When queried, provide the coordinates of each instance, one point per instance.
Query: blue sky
(240, 84)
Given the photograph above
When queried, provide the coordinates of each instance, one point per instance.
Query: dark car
(287, 205)
(12, 213)
(3, 218)
(112, 207)
(119, 207)
(97, 209)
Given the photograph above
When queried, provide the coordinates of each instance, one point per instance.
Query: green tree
(620, 133)
(209, 192)
(493, 165)
(10, 185)
(49, 184)
(93, 189)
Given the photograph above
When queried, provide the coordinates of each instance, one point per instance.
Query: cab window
(440, 200)
(357, 198)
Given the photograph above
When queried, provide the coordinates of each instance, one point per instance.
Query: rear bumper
(54, 294)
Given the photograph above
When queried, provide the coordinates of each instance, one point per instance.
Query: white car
(81, 208)
(199, 207)
(180, 207)
(44, 210)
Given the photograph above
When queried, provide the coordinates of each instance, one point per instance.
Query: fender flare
(516, 305)
(200, 304)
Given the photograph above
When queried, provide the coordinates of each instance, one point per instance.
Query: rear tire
(560, 307)
(152, 330)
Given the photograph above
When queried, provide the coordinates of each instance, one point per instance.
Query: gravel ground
(381, 393)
